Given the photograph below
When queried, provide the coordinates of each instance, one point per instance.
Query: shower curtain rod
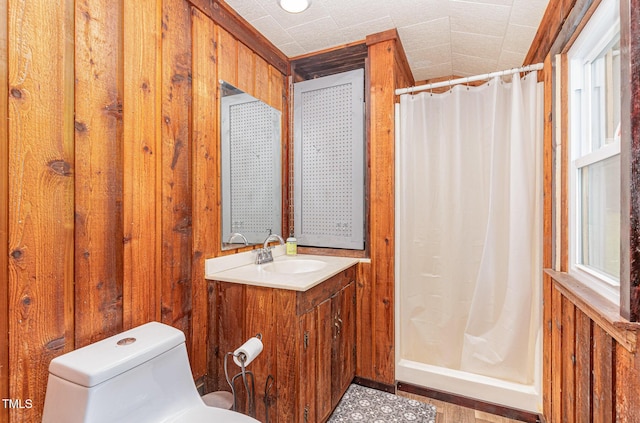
(528, 68)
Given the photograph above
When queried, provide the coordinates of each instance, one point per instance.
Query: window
(594, 72)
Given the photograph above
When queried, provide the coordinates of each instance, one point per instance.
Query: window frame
(601, 30)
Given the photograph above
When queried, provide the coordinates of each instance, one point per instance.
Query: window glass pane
(600, 216)
(605, 96)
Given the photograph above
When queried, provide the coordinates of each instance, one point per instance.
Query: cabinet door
(307, 379)
(325, 325)
(343, 348)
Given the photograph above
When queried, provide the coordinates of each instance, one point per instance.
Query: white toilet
(141, 375)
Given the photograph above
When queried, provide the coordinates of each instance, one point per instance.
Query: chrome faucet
(272, 237)
(264, 255)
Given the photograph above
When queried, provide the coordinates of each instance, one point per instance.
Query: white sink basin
(299, 273)
(294, 266)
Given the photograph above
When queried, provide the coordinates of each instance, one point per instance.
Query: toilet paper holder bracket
(247, 377)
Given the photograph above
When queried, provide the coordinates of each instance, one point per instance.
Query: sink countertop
(256, 274)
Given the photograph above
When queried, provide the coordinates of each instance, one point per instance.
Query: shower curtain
(469, 228)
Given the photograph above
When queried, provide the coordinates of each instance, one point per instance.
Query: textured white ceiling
(440, 37)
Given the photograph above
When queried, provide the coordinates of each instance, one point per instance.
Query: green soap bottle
(292, 245)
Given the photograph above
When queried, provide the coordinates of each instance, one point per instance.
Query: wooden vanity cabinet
(309, 344)
(328, 354)
(329, 334)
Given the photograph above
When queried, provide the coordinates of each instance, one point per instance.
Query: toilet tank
(141, 375)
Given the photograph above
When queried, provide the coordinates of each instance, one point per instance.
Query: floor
(450, 413)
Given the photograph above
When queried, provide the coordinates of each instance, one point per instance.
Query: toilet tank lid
(91, 365)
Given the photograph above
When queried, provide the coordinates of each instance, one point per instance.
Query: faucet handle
(263, 255)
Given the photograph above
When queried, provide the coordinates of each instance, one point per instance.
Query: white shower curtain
(469, 231)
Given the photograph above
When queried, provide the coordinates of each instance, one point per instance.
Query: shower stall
(469, 241)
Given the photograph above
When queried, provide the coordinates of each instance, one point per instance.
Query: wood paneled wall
(111, 172)
(591, 366)
(388, 70)
(591, 355)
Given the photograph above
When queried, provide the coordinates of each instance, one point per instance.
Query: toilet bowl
(141, 375)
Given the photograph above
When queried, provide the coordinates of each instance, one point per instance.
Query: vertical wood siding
(381, 149)
(375, 313)
(4, 215)
(205, 181)
(41, 194)
(594, 378)
(98, 164)
(176, 164)
(110, 191)
(141, 155)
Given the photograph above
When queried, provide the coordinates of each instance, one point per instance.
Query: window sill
(599, 309)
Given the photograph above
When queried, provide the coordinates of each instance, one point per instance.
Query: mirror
(250, 168)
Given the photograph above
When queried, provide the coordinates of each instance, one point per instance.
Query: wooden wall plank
(176, 151)
(213, 354)
(364, 335)
(227, 70)
(205, 157)
(381, 224)
(548, 166)
(556, 358)
(278, 98)
(40, 197)
(568, 361)
(230, 304)
(141, 161)
(98, 159)
(630, 160)
(260, 307)
(583, 346)
(227, 52)
(246, 69)
(287, 365)
(4, 212)
(602, 409)
(547, 347)
(277, 94)
(563, 70)
(386, 70)
(626, 392)
(548, 237)
(262, 80)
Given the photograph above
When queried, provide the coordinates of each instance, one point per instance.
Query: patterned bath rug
(360, 404)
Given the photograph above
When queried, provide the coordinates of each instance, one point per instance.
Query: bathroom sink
(299, 273)
(293, 266)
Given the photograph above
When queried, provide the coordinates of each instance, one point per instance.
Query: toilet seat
(205, 414)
